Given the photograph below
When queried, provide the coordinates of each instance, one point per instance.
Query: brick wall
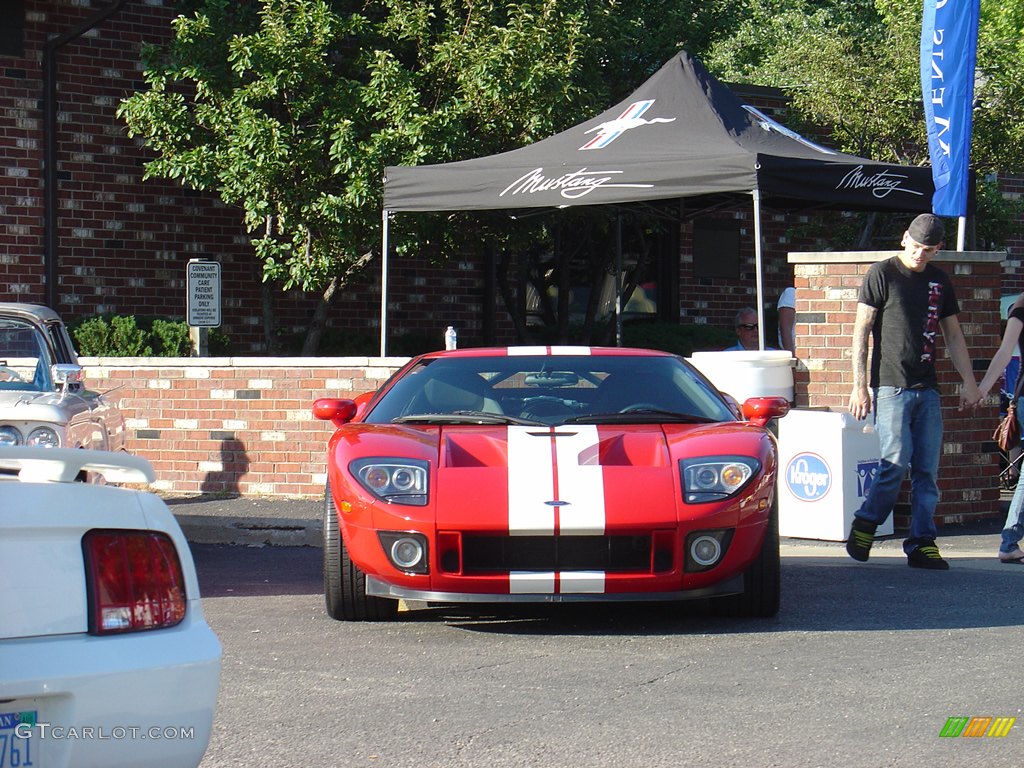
(826, 307)
(122, 243)
(244, 426)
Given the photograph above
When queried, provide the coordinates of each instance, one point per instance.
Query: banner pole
(384, 288)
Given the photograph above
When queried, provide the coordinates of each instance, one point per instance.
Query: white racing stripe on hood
(581, 485)
(556, 350)
(570, 350)
(531, 482)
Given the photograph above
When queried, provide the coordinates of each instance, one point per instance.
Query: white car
(106, 658)
(43, 399)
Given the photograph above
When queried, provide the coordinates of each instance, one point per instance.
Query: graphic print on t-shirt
(931, 321)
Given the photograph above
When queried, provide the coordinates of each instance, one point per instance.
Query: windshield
(24, 363)
(551, 389)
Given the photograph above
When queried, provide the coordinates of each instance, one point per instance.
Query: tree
(852, 69)
(291, 109)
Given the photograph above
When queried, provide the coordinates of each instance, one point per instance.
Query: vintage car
(549, 474)
(106, 657)
(43, 400)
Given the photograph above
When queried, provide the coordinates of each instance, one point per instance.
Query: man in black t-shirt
(904, 303)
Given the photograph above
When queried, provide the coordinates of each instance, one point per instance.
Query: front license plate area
(18, 748)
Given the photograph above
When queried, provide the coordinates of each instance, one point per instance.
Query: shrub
(682, 340)
(127, 336)
(117, 337)
(171, 339)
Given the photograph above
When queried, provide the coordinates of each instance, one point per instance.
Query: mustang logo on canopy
(610, 130)
(571, 185)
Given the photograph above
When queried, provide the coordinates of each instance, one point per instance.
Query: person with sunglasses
(746, 331)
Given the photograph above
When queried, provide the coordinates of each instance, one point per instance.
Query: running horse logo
(609, 131)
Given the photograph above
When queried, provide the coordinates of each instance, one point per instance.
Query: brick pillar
(826, 308)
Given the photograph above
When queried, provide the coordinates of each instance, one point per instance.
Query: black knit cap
(927, 229)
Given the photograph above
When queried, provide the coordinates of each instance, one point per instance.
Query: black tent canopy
(680, 134)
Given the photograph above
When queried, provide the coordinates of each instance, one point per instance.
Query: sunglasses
(748, 326)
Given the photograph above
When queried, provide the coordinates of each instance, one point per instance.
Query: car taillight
(134, 581)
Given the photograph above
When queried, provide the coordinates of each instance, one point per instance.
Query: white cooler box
(744, 374)
(827, 461)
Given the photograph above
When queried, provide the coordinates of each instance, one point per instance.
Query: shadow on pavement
(819, 594)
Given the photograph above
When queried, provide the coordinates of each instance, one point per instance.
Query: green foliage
(128, 336)
(291, 109)
(114, 337)
(852, 67)
(682, 340)
(171, 339)
(998, 216)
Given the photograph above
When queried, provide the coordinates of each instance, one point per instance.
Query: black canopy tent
(680, 134)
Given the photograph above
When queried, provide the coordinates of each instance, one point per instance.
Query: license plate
(17, 747)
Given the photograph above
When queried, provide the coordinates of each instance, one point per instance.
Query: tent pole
(384, 288)
(618, 279)
(758, 267)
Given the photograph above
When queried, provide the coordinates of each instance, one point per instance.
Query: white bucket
(745, 374)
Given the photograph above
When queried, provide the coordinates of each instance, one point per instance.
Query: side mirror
(338, 412)
(761, 410)
(67, 377)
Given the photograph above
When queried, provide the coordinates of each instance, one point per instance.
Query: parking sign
(203, 293)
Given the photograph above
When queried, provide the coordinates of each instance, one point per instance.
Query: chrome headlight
(398, 481)
(713, 478)
(44, 437)
(9, 436)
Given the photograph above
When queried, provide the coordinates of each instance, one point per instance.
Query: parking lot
(864, 666)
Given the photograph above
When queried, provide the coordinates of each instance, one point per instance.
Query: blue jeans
(1013, 528)
(909, 426)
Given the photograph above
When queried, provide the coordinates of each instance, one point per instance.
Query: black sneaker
(927, 556)
(862, 536)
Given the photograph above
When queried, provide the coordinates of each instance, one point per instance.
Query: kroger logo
(808, 477)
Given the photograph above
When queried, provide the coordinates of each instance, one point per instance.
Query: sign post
(202, 277)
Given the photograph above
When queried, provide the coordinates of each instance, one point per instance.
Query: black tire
(762, 581)
(344, 584)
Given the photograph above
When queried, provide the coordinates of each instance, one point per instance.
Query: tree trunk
(269, 329)
(315, 332)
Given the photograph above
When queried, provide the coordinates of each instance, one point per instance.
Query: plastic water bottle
(450, 338)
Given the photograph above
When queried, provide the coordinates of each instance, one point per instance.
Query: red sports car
(546, 474)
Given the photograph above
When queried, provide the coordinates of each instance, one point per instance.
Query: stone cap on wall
(866, 257)
(243, 362)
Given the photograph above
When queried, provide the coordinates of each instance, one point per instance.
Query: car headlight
(713, 478)
(9, 436)
(43, 437)
(398, 481)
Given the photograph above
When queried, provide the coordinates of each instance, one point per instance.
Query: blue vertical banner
(949, 45)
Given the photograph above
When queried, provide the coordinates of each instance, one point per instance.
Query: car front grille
(500, 554)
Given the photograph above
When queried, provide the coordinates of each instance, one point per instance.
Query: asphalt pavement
(257, 521)
(249, 520)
